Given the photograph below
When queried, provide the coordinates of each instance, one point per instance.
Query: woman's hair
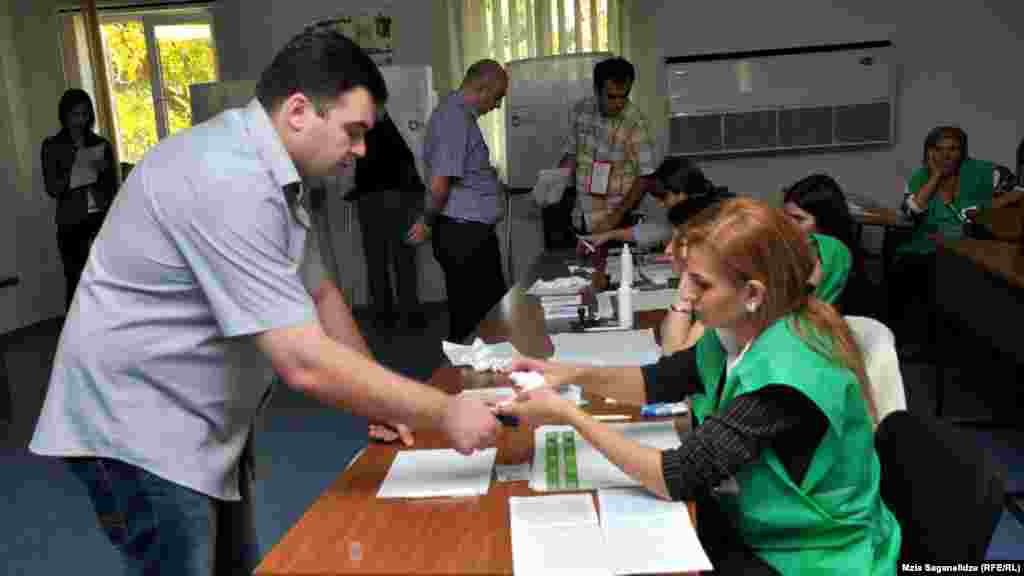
(820, 196)
(754, 241)
(938, 133)
(680, 175)
(71, 99)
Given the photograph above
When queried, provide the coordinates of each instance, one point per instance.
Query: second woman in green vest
(781, 459)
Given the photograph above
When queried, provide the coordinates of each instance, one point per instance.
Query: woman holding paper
(781, 458)
(79, 172)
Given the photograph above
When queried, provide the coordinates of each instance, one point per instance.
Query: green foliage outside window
(182, 62)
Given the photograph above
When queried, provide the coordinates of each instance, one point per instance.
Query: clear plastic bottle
(625, 295)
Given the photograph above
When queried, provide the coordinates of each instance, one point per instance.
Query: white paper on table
(433, 473)
(593, 469)
(83, 171)
(658, 272)
(481, 356)
(558, 286)
(619, 348)
(558, 534)
(645, 534)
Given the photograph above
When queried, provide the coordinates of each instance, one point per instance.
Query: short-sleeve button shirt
(455, 147)
(201, 249)
(624, 141)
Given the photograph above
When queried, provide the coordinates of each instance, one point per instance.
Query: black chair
(945, 490)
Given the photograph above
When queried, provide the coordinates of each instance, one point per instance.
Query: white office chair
(878, 345)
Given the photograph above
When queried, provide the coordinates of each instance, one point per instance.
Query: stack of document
(557, 535)
(619, 348)
(636, 534)
(646, 535)
(436, 473)
(562, 305)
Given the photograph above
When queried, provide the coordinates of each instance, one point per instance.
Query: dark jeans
(160, 527)
(385, 217)
(73, 242)
(471, 261)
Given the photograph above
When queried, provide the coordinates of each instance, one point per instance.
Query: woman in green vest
(942, 195)
(818, 206)
(781, 459)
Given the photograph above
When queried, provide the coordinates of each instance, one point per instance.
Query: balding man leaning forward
(465, 198)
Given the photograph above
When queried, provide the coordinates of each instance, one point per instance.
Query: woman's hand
(935, 172)
(555, 374)
(538, 407)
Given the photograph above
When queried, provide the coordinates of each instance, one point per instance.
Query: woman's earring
(751, 306)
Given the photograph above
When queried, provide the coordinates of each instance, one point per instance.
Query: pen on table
(664, 409)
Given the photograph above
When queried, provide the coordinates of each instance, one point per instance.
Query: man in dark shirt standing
(465, 198)
(389, 196)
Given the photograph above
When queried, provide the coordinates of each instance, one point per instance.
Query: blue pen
(663, 409)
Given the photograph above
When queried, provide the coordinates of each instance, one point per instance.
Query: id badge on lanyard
(600, 175)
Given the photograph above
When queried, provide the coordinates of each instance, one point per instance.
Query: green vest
(836, 262)
(948, 219)
(834, 522)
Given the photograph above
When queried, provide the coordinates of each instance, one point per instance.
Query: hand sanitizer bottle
(625, 295)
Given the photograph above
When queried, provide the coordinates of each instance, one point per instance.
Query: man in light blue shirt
(192, 295)
(465, 197)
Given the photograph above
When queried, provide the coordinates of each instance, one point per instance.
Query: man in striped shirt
(609, 149)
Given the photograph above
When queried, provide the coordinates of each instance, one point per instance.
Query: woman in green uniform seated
(781, 459)
(818, 206)
(940, 197)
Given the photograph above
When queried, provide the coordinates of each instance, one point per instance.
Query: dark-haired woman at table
(781, 460)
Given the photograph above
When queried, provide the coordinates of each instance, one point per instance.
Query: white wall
(31, 77)
(958, 63)
(251, 31)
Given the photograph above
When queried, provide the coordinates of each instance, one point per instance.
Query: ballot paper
(550, 186)
(619, 348)
(564, 461)
(644, 534)
(557, 286)
(435, 473)
(481, 356)
(84, 170)
(558, 535)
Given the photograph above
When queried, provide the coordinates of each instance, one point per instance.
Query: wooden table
(349, 530)
(891, 221)
(979, 294)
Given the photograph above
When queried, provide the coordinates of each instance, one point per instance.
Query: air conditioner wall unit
(767, 101)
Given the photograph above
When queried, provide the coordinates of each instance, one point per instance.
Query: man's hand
(469, 424)
(418, 234)
(391, 432)
(596, 240)
(602, 221)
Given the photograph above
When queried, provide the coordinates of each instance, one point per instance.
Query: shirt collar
(460, 99)
(273, 153)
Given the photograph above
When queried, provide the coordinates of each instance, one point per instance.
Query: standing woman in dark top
(79, 171)
(781, 460)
